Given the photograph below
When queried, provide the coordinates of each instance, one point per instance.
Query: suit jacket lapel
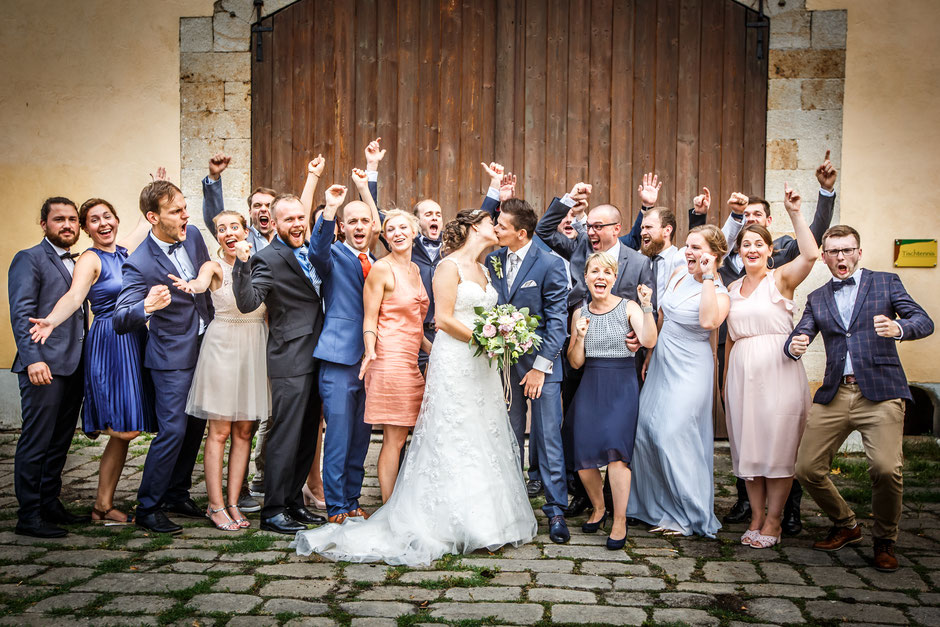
(622, 264)
(527, 264)
(288, 256)
(864, 284)
(162, 260)
(500, 281)
(829, 297)
(57, 262)
(354, 258)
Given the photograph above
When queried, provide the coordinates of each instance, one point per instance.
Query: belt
(429, 326)
(849, 379)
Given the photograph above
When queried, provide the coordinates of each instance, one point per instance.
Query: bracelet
(647, 309)
(708, 277)
(370, 331)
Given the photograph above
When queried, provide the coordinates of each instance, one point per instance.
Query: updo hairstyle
(455, 231)
(715, 240)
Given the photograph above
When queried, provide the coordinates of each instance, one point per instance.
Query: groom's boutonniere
(497, 267)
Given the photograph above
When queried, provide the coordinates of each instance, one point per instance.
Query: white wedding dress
(461, 486)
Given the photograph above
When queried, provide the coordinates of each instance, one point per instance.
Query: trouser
(881, 425)
(168, 471)
(291, 439)
(347, 436)
(258, 454)
(50, 414)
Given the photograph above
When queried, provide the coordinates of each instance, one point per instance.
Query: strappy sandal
(749, 536)
(231, 525)
(243, 522)
(104, 520)
(764, 542)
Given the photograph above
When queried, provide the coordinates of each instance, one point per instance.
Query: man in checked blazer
(861, 315)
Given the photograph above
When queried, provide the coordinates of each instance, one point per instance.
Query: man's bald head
(356, 225)
(603, 227)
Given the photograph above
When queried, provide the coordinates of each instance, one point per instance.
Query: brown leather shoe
(357, 513)
(337, 518)
(839, 537)
(885, 561)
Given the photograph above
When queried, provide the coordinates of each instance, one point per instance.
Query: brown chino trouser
(882, 428)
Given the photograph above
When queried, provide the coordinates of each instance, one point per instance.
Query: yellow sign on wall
(915, 253)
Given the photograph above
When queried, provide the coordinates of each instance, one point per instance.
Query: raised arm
(793, 273)
(444, 285)
(713, 308)
(547, 227)
(579, 327)
(321, 238)
(641, 316)
(374, 155)
(252, 279)
(212, 203)
(826, 175)
(648, 191)
(492, 199)
(86, 272)
(361, 181)
(314, 171)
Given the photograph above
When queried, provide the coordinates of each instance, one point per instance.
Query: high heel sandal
(231, 525)
(760, 541)
(749, 536)
(103, 517)
(243, 522)
(311, 499)
(592, 527)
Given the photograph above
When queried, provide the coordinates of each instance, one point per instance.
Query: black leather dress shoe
(56, 514)
(305, 516)
(577, 505)
(282, 523)
(157, 522)
(39, 528)
(791, 523)
(558, 530)
(533, 488)
(740, 512)
(185, 508)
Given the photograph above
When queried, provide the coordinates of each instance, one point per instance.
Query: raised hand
(335, 195)
(360, 178)
(799, 344)
(40, 330)
(374, 153)
(791, 199)
(181, 284)
(243, 250)
(316, 166)
(581, 326)
(737, 202)
(826, 174)
(507, 186)
(217, 164)
(161, 174)
(495, 172)
(580, 192)
(706, 262)
(886, 327)
(702, 202)
(649, 189)
(644, 294)
(577, 212)
(157, 298)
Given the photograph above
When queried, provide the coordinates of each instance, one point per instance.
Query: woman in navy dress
(118, 400)
(604, 409)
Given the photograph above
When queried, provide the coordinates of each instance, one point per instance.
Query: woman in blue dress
(118, 399)
(673, 488)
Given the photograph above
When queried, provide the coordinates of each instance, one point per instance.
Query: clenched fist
(157, 298)
(799, 344)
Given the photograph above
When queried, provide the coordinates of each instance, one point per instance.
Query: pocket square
(528, 284)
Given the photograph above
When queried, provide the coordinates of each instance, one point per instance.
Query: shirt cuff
(372, 175)
(493, 193)
(542, 364)
(208, 180)
(900, 335)
(825, 192)
(797, 357)
(568, 201)
(737, 217)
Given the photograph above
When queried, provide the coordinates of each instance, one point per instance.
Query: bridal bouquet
(504, 334)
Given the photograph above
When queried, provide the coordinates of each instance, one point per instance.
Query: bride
(460, 487)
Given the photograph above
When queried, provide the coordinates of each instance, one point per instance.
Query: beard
(66, 241)
(652, 248)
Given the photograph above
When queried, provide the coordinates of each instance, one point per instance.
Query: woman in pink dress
(394, 303)
(766, 393)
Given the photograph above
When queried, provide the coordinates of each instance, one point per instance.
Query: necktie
(366, 265)
(300, 254)
(67, 255)
(174, 247)
(838, 285)
(513, 268)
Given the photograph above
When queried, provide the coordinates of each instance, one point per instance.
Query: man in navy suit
(176, 322)
(50, 374)
(343, 266)
(861, 314)
(528, 277)
(261, 228)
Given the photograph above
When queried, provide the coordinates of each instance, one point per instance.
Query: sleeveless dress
(394, 385)
(460, 487)
(231, 377)
(673, 482)
(604, 409)
(117, 394)
(766, 392)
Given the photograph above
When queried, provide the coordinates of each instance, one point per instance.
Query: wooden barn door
(559, 91)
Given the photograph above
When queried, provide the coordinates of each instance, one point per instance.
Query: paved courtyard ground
(123, 576)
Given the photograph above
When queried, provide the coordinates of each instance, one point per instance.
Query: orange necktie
(366, 264)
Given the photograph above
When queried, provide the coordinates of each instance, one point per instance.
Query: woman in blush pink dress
(395, 303)
(766, 393)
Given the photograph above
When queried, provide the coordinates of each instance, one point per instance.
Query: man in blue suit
(343, 266)
(528, 277)
(261, 228)
(50, 374)
(176, 322)
(861, 314)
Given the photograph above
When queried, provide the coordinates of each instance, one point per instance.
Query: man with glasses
(861, 315)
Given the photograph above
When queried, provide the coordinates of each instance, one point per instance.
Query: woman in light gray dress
(672, 485)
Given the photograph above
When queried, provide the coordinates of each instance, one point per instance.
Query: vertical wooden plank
(366, 68)
(667, 74)
(621, 110)
(599, 122)
(302, 94)
(281, 145)
(347, 154)
(471, 88)
(556, 86)
(324, 97)
(428, 131)
(710, 91)
(519, 102)
(644, 96)
(262, 85)
(535, 48)
(387, 100)
(407, 166)
(732, 105)
(579, 96)
(450, 107)
(488, 97)
(505, 83)
(690, 43)
(755, 112)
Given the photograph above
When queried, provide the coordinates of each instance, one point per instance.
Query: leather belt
(849, 379)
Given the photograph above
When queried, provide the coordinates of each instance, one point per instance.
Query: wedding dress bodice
(470, 295)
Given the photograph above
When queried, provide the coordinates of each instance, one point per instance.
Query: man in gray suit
(50, 374)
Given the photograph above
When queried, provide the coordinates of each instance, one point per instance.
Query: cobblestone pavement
(122, 576)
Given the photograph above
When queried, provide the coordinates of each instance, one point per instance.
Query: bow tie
(427, 241)
(838, 285)
(68, 255)
(173, 247)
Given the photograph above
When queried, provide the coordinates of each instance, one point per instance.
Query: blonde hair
(398, 213)
(604, 260)
(715, 239)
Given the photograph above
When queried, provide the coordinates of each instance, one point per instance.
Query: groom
(526, 276)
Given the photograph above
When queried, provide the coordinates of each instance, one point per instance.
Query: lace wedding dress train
(460, 487)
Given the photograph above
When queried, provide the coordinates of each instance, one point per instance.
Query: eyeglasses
(834, 252)
(598, 227)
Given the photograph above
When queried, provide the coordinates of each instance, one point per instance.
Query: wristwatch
(708, 277)
(646, 308)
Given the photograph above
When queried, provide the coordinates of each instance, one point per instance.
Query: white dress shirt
(845, 301)
(68, 262)
(181, 261)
